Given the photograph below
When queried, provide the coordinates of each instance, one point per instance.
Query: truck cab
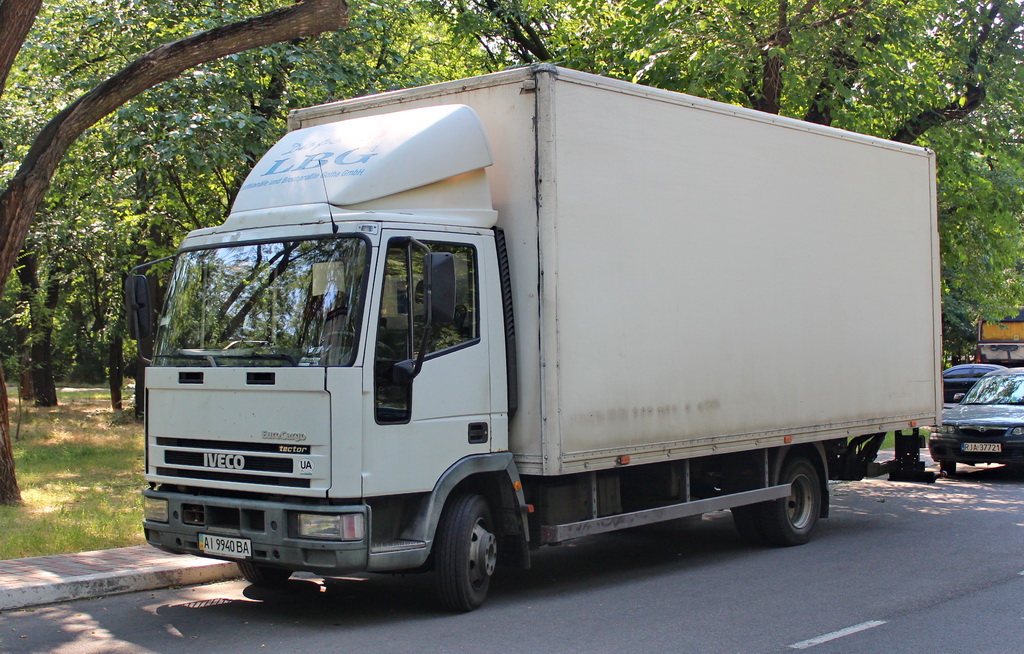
(330, 362)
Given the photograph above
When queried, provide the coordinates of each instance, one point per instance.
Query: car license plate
(982, 447)
(238, 548)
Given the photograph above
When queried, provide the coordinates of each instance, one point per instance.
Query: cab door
(414, 432)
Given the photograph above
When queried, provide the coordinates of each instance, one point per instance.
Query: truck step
(551, 534)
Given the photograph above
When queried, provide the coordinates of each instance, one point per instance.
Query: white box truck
(447, 325)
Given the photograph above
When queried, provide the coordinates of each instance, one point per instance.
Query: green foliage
(942, 73)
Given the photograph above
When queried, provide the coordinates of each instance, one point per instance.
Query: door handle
(478, 433)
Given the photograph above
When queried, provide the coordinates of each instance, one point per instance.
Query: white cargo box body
(693, 278)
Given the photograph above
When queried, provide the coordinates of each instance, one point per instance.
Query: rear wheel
(466, 552)
(263, 575)
(791, 520)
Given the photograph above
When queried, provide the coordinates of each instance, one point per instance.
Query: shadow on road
(611, 560)
(692, 565)
(582, 565)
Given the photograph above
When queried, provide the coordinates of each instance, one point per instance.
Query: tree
(24, 194)
(40, 304)
(946, 74)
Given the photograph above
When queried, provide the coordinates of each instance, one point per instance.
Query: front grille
(233, 477)
(252, 463)
(987, 432)
(274, 464)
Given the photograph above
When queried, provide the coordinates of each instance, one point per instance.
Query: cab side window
(465, 328)
(401, 324)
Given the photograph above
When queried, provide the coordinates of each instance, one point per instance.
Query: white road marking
(811, 642)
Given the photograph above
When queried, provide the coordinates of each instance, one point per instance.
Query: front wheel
(791, 520)
(947, 467)
(466, 552)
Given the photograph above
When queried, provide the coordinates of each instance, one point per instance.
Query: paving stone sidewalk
(60, 578)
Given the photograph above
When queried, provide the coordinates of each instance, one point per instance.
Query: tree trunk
(41, 305)
(16, 19)
(9, 491)
(24, 194)
(116, 374)
(43, 383)
(26, 389)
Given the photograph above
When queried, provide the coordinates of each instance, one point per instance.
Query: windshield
(999, 389)
(292, 303)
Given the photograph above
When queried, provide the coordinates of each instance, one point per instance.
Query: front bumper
(269, 525)
(951, 449)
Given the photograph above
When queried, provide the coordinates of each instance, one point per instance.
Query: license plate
(982, 447)
(238, 548)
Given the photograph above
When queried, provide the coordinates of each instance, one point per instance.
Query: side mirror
(441, 267)
(958, 397)
(403, 372)
(139, 308)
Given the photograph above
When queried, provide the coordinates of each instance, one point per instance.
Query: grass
(79, 466)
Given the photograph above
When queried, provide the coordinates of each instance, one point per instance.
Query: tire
(947, 467)
(466, 552)
(791, 520)
(264, 575)
(747, 522)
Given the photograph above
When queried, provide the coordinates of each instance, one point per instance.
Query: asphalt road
(898, 567)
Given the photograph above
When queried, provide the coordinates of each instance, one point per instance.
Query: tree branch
(16, 19)
(520, 32)
(21, 199)
(973, 93)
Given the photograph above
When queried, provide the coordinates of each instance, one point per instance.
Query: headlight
(154, 509)
(1017, 431)
(349, 526)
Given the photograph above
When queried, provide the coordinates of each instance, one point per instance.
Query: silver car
(987, 426)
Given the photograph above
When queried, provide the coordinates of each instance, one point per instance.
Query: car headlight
(348, 526)
(1017, 431)
(154, 509)
(947, 429)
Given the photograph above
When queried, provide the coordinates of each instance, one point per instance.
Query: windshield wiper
(211, 356)
(188, 354)
(993, 403)
(271, 356)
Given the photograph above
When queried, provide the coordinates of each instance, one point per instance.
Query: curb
(199, 571)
